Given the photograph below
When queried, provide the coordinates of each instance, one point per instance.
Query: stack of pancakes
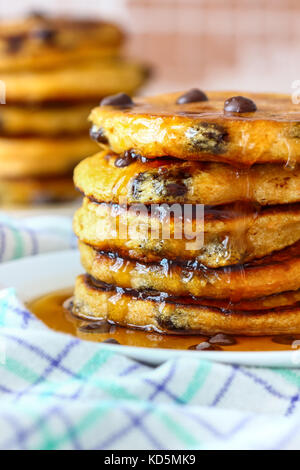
(52, 71)
(235, 158)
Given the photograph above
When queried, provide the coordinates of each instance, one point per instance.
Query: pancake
(41, 42)
(273, 274)
(42, 156)
(37, 190)
(172, 181)
(157, 127)
(226, 236)
(78, 82)
(43, 121)
(173, 316)
(283, 299)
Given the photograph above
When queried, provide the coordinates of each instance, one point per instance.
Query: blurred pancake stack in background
(225, 170)
(52, 71)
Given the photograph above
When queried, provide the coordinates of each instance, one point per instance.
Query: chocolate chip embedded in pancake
(126, 159)
(202, 131)
(98, 135)
(14, 43)
(125, 308)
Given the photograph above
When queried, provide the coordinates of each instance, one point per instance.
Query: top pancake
(157, 126)
(40, 41)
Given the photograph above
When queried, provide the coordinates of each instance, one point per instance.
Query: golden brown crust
(82, 81)
(172, 181)
(42, 42)
(42, 156)
(272, 275)
(157, 127)
(44, 121)
(126, 309)
(35, 191)
(229, 237)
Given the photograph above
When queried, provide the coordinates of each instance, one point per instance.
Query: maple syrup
(52, 310)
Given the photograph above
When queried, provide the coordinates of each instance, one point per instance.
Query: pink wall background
(233, 44)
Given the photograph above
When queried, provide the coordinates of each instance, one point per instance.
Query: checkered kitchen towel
(59, 392)
(34, 235)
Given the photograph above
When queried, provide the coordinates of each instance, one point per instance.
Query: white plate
(36, 276)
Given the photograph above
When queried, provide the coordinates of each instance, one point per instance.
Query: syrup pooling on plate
(50, 310)
(160, 312)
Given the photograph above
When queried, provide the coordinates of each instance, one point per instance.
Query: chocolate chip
(110, 341)
(14, 43)
(38, 15)
(69, 304)
(126, 159)
(222, 340)
(239, 104)
(192, 96)
(122, 162)
(294, 131)
(43, 34)
(285, 339)
(176, 189)
(167, 323)
(148, 72)
(98, 134)
(204, 347)
(120, 99)
(207, 137)
(100, 326)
